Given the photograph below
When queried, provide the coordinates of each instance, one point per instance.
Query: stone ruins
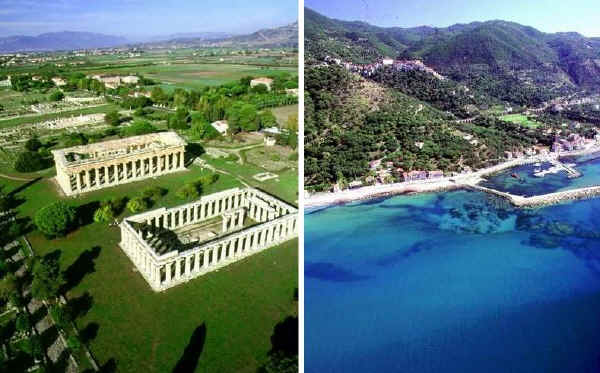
(172, 246)
(85, 168)
(74, 121)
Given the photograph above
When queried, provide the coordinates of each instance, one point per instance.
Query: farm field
(520, 119)
(282, 113)
(199, 75)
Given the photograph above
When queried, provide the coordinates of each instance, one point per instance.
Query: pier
(542, 199)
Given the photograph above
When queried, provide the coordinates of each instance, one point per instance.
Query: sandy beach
(426, 186)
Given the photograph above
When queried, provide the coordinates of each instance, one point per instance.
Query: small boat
(538, 164)
(515, 176)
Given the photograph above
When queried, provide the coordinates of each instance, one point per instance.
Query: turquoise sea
(452, 282)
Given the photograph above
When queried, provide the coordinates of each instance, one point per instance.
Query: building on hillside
(414, 175)
(59, 82)
(292, 92)
(436, 174)
(387, 61)
(114, 81)
(221, 126)
(373, 165)
(355, 184)
(265, 81)
(270, 141)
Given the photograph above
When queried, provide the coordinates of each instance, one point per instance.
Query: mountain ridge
(502, 48)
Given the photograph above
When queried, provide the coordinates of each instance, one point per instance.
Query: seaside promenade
(466, 181)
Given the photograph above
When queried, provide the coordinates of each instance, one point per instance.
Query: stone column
(206, 258)
(78, 180)
(168, 273)
(157, 275)
(188, 265)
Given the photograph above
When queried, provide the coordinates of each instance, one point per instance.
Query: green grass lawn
(520, 119)
(139, 330)
(285, 187)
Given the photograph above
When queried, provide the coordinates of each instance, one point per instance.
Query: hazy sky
(143, 17)
(582, 16)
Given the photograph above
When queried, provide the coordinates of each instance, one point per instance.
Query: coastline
(463, 181)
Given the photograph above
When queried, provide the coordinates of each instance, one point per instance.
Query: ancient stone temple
(85, 168)
(174, 245)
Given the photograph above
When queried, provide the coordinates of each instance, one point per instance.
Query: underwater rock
(543, 241)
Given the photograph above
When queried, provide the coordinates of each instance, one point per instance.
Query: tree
(29, 162)
(55, 219)
(47, 279)
(113, 118)
(33, 144)
(138, 204)
(22, 323)
(242, 116)
(179, 120)
(138, 127)
(267, 119)
(260, 88)
(57, 96)
(8, 286)
(159, 96)
(292, 123)
(202, 129)
(6, 200)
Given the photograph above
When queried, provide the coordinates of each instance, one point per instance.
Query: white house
(265, 81)
(221, 126)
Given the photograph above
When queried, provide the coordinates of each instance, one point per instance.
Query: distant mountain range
(496, 50)
(284, 36)
(55, 41)
(185, 35)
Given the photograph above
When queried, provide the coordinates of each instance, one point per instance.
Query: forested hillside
(350, 121)
(505, 60)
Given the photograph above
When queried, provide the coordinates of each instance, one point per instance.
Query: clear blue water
(527, 184)
(452, 282)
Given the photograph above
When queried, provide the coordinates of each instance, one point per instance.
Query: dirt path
(14, 178)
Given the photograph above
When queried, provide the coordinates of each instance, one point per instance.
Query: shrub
(74, 343)
(55, 219)
(137, 204)
(57, 96)
(109, 210)
(104, 214)
(33, 144)
(23, 324)
(113, 118)
(29, 162)
(190, 191)
(60, 316)
(154, 193)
